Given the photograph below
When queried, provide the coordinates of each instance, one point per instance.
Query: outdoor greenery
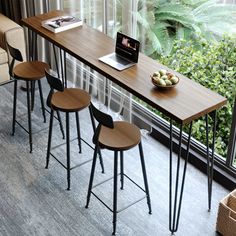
(165, 21)
(189, 36)
(213, 66)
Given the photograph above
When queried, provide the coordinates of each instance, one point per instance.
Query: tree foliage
(165, 21)
(211, 64)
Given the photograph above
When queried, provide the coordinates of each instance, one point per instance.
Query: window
(137, 18)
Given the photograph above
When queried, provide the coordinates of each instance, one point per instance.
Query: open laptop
(125, 55)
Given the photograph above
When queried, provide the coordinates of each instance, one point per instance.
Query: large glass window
(183, 35)
(197, 40)
(231, 158)
(90, 11)
(106, 16)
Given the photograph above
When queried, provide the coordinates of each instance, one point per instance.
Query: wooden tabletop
(184, 103)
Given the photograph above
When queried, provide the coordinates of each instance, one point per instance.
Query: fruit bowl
(164, 80)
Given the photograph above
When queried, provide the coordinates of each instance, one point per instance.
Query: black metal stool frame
(57, 84)
(106, 120)
(16, 55)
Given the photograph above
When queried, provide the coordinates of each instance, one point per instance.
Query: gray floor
(34, 200)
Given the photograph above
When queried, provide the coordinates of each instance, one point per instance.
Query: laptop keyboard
(120, 60)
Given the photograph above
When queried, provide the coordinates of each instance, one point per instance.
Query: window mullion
(105, 17)
(232, 147)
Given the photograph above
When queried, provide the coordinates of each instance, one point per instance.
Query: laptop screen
(127, 47)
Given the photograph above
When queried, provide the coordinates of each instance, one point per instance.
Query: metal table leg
(55, 57)
(210, 156)
(175, 197)
(62, 61)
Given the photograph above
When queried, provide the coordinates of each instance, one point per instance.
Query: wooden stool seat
(70, 100)
(30, 70)
(122, 137)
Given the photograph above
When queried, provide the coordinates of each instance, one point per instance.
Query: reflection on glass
(91, 11)
(107, 16)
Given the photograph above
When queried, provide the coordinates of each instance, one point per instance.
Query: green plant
(161, 22)
(213, 66)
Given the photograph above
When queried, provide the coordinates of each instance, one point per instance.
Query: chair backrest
(53, 81)
(16, 56)
(55, 84)
(102, 119)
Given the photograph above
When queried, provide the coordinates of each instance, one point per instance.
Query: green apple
(157, 74)
(174, 79)
(161, 82)
(168, 82)
(155, 78)
(164, 77)
(162, 72)
(169, 75)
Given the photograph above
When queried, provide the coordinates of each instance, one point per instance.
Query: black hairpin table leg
(210, 156)
(175, 197)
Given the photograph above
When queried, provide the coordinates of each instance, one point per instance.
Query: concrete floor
(34, 200)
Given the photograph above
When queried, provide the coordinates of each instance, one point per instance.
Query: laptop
(125, 55)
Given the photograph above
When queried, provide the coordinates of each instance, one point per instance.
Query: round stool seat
(70, 100)
(30, 70)
(123, 136)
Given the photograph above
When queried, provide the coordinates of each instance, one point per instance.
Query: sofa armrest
(4, 68)
(16, 38)
(12, 33)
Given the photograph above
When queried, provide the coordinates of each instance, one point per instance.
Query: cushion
(3, 56)
(5, 25)
(13, 33)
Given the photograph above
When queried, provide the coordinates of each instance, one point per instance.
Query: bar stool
(117, 136)
(67, 100)
(30, 72)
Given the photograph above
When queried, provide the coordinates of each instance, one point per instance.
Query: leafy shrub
(164, 21)
(213, 66)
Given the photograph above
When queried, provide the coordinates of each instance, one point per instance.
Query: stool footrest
(87, 143)
(22, 127)
(131, 204)
(64, 143)
(7, 82)
(134, 182)
(122, 209)
(50, 112)
(73, 167)
(58, 160)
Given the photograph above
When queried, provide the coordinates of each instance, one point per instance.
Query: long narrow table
(183, 104)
